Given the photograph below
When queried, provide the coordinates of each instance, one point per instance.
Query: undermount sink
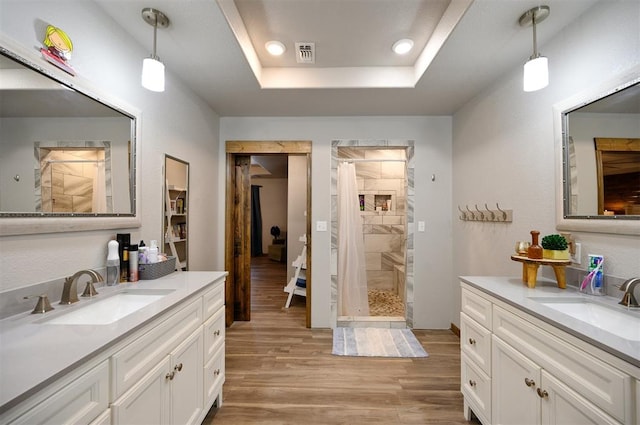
(611, 318)
(109, 309)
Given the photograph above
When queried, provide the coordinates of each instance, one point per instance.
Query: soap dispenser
(113, 263)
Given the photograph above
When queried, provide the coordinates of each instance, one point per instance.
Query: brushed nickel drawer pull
(216, 372)
(216, 333)
(178, 367)
(472, 382)
(170, 376)
(529, 382)
(542, 393)
(472, 341)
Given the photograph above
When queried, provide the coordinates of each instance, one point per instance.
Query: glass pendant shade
(536, 74)
(153, 75)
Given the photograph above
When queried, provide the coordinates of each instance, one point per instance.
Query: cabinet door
(186, 383)
(148, 401)
(563, 406)
(79, 402)
(513, 386)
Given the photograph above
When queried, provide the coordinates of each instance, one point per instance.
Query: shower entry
(372, 238)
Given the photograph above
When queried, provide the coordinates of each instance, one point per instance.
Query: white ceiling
(352, 36)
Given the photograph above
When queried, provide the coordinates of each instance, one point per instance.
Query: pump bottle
(113, 263)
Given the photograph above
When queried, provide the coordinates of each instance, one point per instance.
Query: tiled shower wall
(382, 185)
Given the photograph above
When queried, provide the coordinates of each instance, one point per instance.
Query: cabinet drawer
(214, 299)
(476, 307)
(214, 331)
(475, 342)
(476, 388)
(602, 384)
(80, 402)
(130, 364)
(214, 376)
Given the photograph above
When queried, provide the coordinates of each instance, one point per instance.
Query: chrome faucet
(629, 299)
(70, 289)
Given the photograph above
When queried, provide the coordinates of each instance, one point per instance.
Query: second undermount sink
(611, 318)
(109, 309)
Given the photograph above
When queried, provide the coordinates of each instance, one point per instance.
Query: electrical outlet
(321, 226)
(575, 258)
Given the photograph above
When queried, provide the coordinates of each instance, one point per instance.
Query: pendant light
(536, 70)
(152, 68)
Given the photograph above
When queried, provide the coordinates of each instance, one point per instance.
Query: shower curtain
(99, 201)
(352, 274)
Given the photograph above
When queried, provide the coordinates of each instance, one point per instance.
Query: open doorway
(242, 157)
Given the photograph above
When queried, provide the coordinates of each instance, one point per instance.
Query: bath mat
(376, 342)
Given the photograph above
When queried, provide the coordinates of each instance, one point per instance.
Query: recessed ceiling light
(403, 46)
(275, 48)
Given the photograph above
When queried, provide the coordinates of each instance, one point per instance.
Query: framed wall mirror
(67, 151)
(598, 152)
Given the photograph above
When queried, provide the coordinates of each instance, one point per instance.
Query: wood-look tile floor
(280, 372)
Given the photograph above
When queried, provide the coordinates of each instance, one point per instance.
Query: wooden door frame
(236, 148)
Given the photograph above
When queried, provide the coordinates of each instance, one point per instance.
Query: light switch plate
(321, 226)
(421, 226)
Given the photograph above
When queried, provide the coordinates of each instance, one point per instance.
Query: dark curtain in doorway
(256, 222)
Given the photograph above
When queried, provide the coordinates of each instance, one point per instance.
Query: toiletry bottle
(113, 263)
(153, 252)
(143, 252)
(133, 263)
(124, 239)
(124, 265)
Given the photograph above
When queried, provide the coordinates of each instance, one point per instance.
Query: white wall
(273, 205)
(432, 136)
(503, 148)
(174, 122)
(296, 208)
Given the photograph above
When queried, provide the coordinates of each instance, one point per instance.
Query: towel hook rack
(489, 215)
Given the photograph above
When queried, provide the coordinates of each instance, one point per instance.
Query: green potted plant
(555, 247)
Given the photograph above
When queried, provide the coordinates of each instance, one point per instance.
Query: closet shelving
(176, 222)
(298, 283)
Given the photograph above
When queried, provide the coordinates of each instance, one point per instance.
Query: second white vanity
(162, 363)
(525, 360)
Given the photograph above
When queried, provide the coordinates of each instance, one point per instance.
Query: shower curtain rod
(370, 160)
(57, 161)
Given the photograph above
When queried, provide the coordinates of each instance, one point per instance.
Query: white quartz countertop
(33, 353)
(513, 291)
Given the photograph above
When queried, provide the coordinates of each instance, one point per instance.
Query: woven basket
(156, 270)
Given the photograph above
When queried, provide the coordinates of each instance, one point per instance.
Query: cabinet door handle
(472, 341)
(472, 382)
(529, 382)
(216, 333)
(542, 393)
(216, 372)
(169, 376)
(178, 367)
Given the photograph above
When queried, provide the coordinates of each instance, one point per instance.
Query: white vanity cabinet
(537, 374)
(172, 389)
(175, 385)
(167, 370)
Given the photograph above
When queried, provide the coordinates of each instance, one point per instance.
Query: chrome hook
(492, 214)
(480, 212)
(504, 213)
(464, 214)
(473, 216)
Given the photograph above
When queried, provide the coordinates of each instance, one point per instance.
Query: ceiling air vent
(306, 52)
